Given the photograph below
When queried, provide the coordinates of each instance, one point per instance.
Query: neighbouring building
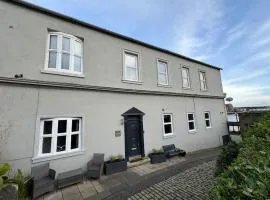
(69, 89)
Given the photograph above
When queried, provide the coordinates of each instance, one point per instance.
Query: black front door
(133, 136)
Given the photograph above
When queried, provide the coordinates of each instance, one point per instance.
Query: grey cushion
(40, 171)
(44, 182)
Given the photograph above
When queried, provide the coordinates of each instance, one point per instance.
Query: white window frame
(54, 135)
(194, 121)
(135, 54)
(208, 119)
(203, 82)
(187, 78)
(166, 73)
(59, 51)
(166, 123)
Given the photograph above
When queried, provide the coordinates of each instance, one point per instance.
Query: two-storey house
(69, 89)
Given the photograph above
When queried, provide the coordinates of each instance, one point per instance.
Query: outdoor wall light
(122, 121)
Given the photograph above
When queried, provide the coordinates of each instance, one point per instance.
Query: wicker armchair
(95, 166)
(43, 179)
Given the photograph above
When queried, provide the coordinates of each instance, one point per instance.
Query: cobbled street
(194, 183)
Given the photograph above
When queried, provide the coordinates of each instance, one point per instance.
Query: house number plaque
(117, 133)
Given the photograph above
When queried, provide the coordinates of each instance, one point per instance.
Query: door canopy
(133, 111)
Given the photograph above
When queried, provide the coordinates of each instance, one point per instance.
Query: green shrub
(228, 153)
(157, 151)
(17, 179)
(115, 158)
(248, 177)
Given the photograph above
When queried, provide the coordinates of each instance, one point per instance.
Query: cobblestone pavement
(194, 183)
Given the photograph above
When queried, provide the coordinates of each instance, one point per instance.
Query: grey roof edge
(103, 30)
(38, 83)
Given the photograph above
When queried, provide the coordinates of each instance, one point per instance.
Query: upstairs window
(163, 73)
(131, 70)
(167, 124)
(191, 122)
(59, 135)
(64, 53)
(185, 77)
(203, 80)
(207, 119)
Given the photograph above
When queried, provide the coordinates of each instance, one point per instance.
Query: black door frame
(134, 112)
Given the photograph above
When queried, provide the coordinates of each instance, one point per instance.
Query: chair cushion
(44, 182)
(94, 167)
(40, 171)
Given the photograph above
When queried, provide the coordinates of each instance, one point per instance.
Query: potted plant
(11, 187)
(115, 164)
(157, 156)
(181, 152)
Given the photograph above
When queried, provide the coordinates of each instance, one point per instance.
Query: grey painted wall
(23, 49)
(22, 107)
(23, 39)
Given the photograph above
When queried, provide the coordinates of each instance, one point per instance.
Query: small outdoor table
(69, 178)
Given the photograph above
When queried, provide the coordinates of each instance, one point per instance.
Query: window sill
(166, 86)
(187, 88)
(132, 82)
(168, 136)
(62, 73)
(55, 157)
(204, 90)
(192, 132)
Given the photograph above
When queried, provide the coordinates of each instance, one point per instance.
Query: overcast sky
(234, 35)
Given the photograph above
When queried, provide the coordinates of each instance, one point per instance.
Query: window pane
(62, 126)
(53, 42)
(207, 122)
(78, 48)
(162, 79)
(206, 115)
(167, 118)
(61, 143)
(190, 117)
(66, 44)
(65, 61)
(77, 64)
(130, 60)
(202, 76)
(74, 141)
(131, 74)
(184, 73)
(75, 125)
(162, 67)
(191, 126)
(47, 127)
(52, 59)
(185, 83)
(168, 128)
(46, 145)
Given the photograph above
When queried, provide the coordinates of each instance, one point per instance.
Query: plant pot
(157, 158)
(182, 153)
(115, 167)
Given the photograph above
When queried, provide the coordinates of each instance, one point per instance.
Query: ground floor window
(191, 122)
(207, 119)
(59, 135)
(167, 124)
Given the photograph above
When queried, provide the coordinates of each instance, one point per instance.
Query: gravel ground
(194, 183)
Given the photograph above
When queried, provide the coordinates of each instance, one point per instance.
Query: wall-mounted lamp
(122, 121)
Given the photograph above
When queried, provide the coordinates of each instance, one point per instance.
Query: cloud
(252, 95)
(196, 26)
(248, 75)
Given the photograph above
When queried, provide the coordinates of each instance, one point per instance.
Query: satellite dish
(229, 99)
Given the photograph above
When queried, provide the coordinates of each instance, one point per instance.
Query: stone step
(137, 162)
